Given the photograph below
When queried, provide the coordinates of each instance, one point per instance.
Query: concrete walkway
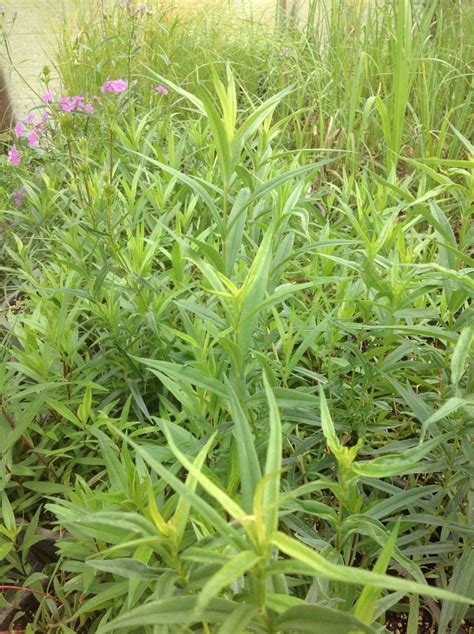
(31, 28)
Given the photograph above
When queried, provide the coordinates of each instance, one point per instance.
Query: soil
(397, 622)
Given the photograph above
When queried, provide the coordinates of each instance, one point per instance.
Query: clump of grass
(236, 379)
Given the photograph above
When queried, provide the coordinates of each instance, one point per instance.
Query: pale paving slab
(31, 27)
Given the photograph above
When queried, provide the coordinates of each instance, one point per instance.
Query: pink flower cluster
(48, 97)
(76, 103)
(14, 156)
(133, 11)
(114, 85)
(161, 90)
(31, 130)
(19, 196)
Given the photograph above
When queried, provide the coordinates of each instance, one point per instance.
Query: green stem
(261, 597)
(225, 214)
(74, 171)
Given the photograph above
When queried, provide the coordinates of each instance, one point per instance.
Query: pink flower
(66, 104)
(29, 119)
(19, 196)
(32, 138)
(19, 129)
(135, 11)
(114, 85)
(13, 156)
(48, 97)
(84, 106)
(40, 127)
(78, 102)
(162, 90)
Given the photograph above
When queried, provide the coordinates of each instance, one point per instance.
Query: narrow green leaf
(467, 144)
(47, 488)
(460, 354)
(235, 228)
(174, 611)
(442, 162)
(253, 290)
(238, 620)
(63, 411)
(192, 183)
(185, 374)
(279, 603)
(8, 517)
(106, 594)
(220, 137)
(231, 507)
(250, 472)
(212, 255)
(5, 549)
(255, 120)
(395, 464)
(356, 576)
(327, 425)
(319, 619)
(451, 405)
(115, 469)
(279, 180)
(462, 582)
(413, 616)
(227, 574)
(181, 515)
(271, 491)
(365, 607)
(125, 567)
(205, 509)
(179, 90)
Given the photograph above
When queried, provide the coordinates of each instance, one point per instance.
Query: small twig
(25, 440)
(13, 477)
(43, 594)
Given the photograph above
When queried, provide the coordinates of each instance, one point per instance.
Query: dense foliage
(236, 376)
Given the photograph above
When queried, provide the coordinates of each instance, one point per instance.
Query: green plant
(236, 375)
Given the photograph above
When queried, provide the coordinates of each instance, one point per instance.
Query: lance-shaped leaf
(365, 606)
(250, 472)
(227, 574)
(185, 374)
(174, 611)
(357, 576)
(271, 490)
(396, 464)
(460, 354)
(231, 507)
(319, 619)
(253, 291)
(200, 505)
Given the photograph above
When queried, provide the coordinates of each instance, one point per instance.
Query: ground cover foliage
(236, 375)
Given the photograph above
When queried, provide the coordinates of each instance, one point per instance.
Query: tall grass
(236, 373)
